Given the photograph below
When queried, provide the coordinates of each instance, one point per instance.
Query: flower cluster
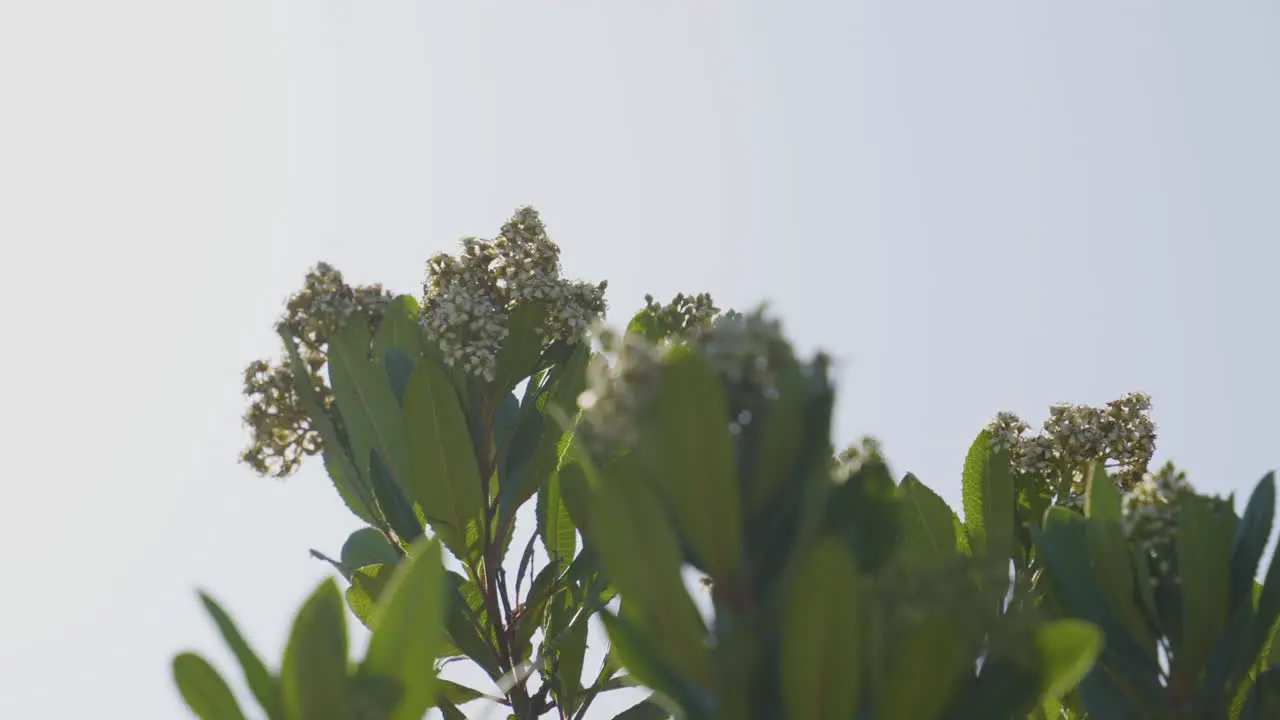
(1151, 508)
(680, 317)
(1075, 436)
(467, 299)
(849, 460)
(745, 351)
(281, 428)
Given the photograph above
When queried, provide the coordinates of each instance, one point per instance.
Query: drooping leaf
(408, 630)
(443, 478)
(204, 690)
(368, 546)
(264, 686)
(692, 450)
(929, 527)
(313, 676)
(822, 639)
(988, 498)
(640, 553)
(350, 484)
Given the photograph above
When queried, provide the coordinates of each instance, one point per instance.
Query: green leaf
(866, 511)
(261, 682)
(348, 481)
(929, 527)
(693, 452)
(1251, 539)
(575, 493)
(368, 546)
(203, 689)
(369, 409)
(1102, 499)
(400, 329)
(559, 537)
(1067, 650)
(467, 625)
(314, 673)
(392, 502)
(443, 478)
(518, 356)
(373, 696)
(640, 552)
(408, 630)
(367, 586)
(1203, 566)
(399, 367)
(450, 711)
(571, 652)
(780, 439)
(931, 649)
(636, 652)
(988, 498)
(822, 641)
(459, 694)
(644, 710)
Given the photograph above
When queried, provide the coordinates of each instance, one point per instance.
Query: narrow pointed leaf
(314, 673)
(261, 682)
(1251, 539)
(364, 396)
(204, 690)
(554, 524)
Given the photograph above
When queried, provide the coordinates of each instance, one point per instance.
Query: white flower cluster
(1151, 508)
(1076, 435)
(467, 299)
(743, 350)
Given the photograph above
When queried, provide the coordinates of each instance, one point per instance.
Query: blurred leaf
(368, 406)
(408, 629)
(644, 710)
(780, 438)
(373, 696)
(314, 673)
(443, 475)
(1251, 539)
(866, 511)
(634, 650)
(1067, 650)
(988, 498)
(932, 650)
(1102, 499)
(342, 471)
(460, 694)
(450, 710)
(822, 639)
(261, 682)
(929, 527)
(694, 454)
(368, 546)
(559, 537)
(518, 356)
(640, 552)
(1203, 566)
(203, 689)
(367, 586)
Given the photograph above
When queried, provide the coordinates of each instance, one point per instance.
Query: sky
(974, 207)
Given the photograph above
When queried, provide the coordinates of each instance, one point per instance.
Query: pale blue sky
(975, 206)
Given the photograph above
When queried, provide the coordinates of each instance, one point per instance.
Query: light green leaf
(367, 586)
(262, 683)
(314, 673)
(638, 550)
(988, 498)
(928, 525)
(1067, 650)
(931, 649)
(1102, 499)
(400, 328)
(822, 643)
(408, 630)
(203, 689)
(693, 452)
(368, 546)
(443, 477)
(369, 409)
(559, 537)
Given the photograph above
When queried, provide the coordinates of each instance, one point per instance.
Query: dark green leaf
(368, 546)
(571, 652)
(644, 710)
(559, 537)
(866, 511)
(1251, 539)
(780, 439)
(444, 478)
(1203, 566)
(518, 357)
(468, 627)
(1109, 549)
(261, 682)
(395, 507)
(400, 328)
(693, 452)
(450, 711)
(399, 367)
(348, 481)
(314, 673)
(822, 641)
(374, 696)
(204, 690)
(408, 629)
(988, 498)
(634, 649)
(575, 492)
